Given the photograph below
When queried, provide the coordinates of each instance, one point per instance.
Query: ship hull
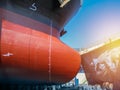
(31, 51)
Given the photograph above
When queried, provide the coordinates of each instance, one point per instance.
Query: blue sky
(96, 20)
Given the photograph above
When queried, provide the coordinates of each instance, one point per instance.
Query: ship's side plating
(30, 47)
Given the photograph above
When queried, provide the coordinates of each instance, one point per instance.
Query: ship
(30, 46)
(101, 63)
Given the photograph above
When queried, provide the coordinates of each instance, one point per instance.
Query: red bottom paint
(29, 54)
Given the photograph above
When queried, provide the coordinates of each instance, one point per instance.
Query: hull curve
(31, 51)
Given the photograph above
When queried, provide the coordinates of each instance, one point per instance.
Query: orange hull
(32, 51)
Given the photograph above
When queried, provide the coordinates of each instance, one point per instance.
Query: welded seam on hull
(29, 50)
(0, 38)
(50, 48)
